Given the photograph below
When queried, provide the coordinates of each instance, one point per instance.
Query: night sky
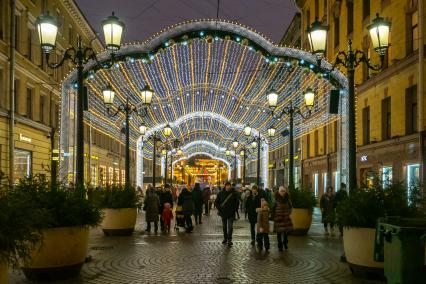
(144, 18)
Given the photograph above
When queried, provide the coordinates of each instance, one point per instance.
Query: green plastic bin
(403, 243)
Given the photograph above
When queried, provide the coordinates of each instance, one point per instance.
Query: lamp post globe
(254, 144)
(47, 28)
(309, 98)
(379, 33)
(108, 94)
(227, 153)
(235, 144)
(167, 131)
(146, 95)
(247, 130)
(113, 32)
(142, 129)
(317, 35)
(272, 97)
(271, 131)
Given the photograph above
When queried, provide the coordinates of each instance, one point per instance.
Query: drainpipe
(12, 92)
(420, 90)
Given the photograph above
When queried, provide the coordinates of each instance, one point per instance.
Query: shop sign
(24, 138)
(364, 158)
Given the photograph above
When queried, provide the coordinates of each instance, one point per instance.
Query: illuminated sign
(24, 138)
(364, 158)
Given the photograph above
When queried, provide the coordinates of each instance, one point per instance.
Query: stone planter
(3, 273)
(302, 219)
(119, 222)
(358, 244)
(61, 254)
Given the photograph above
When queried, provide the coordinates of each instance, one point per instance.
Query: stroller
(180, 220)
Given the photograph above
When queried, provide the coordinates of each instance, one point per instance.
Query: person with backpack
(227, 204)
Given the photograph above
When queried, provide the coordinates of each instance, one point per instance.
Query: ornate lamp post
(127, 108)
(350, 59)
(291, 111)
(47, 28)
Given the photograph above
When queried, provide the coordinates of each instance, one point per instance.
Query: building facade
(390, 109)
(35, 95)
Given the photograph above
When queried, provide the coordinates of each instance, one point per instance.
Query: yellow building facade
(390, 112)
(37, 92)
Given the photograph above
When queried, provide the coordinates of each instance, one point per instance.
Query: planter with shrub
(358, 214)
(63, 222)
(119, 207)
(303, 202)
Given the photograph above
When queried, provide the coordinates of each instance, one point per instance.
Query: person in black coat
(252, 202)
(187, 202)
(197, 195)
(227, 204)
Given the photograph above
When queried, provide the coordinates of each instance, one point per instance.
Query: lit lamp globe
(309, 97)
(317, 35)
(164, 152)
(228, 153)
(271, 131)
(242, 153)
(146, 95)
(142, 129)
(113, 32)
(47, 28)
(379, 33)
(254, 144)
(179, 152)
(272, 99)
(247, 130)
(235, 144)
(167, 131)
(108, 94)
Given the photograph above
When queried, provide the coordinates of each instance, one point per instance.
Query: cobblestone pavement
(201, 258)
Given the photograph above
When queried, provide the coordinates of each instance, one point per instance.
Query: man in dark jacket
(197, 195)
(187, 202)
(206, 199)
(252, 203)
(227, 204)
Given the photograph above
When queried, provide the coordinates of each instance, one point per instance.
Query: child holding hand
(167, 216)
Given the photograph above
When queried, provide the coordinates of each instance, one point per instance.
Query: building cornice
(26, 121)
(389, 143)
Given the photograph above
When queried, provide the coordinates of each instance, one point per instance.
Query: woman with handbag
(281, 211)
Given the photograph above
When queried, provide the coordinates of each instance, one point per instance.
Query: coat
(281, 215)
(262, 220)
(186, 201)
(251, 204)
(166, 197)
(227, 211)
(197, 195)
(151, 206)
(327, 205)
(206, 195)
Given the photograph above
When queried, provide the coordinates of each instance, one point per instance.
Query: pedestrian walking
(167, 216)
(152, 209)
(226, 204)
(186, 200)
(251, 204)
(340, 196)
(206, 200)
(281, 211)
(197, 196)
(263, 225)
(327, 206)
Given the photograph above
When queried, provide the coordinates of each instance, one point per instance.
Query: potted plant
(65, 218)
(358, 215)
(18, 234)
(303, 201)
(119, 207)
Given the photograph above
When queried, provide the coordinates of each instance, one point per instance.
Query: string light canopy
(207, 67)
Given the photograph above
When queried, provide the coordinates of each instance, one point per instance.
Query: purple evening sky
(144, 18)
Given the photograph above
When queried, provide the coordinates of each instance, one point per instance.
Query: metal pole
(351, 119)
(171, 169)
(127, 154)
(154, 138)
(79, 152)
(235, 167)
(53, 162)
(258, 161)
(291, 149)
(244, 166)
(165, 170)
(12, 93)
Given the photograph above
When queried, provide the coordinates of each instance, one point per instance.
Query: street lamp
(317, 35)
(247, 130)
(254, 144)
(272, 99)
(235, 144)
(167, 131)
(227, 153)
(47, 28)
(127, 108)
(146, 95)
(350, 59)
(291, 111)
(143, 128)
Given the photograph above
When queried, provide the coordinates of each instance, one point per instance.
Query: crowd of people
(260, 206)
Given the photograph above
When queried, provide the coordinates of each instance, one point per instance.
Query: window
(324, 136)
(17, 31)
(336, 32)
(22, 161)
(123, 177)
(93, 176)
(386, 118)
(411, 110)
(308, 18)
(110, 175)
(30, 45)
(316, 142)
(350, 17)
(2, 90)
(308, 145)
(42, 108)
(335, 136)
(1, 18)
(102, 176)
(325, 8)
(386, 176)
(29, 103)
(336, 175)
(414, 31)
(366, 125)
(324, 180)
(316, 184)
(413, 177)
(316, 9)
(16, 94)
(365, 8)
